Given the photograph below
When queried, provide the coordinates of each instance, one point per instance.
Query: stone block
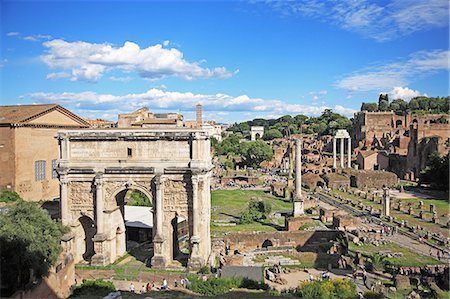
(402, 282)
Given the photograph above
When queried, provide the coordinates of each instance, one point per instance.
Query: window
(54, 173)
(39, 170)
(130, 152)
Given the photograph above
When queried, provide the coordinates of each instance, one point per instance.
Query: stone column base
(158, 262)
(100, 258)
(195, 263)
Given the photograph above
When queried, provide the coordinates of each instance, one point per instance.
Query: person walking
(131, 288)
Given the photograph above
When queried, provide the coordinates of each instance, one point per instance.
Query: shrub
(257, 210)
(373, 295)
(98, 287)
(329, 289)
(218, 286)
(9, 196)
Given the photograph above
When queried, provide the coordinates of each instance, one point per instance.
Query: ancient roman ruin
(171, 166)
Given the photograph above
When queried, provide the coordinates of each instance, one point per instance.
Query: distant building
(100, 123)
(29, 148)
(373, 160)
(145, 119)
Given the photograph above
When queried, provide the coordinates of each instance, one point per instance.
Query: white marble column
(195, 206)
(159, 259)
(298, 197)
(159, 205)
(334, 152)
(99, 202)
(349, 153)
(342, 152)
(63, 200)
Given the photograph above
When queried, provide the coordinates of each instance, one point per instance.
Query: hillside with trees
(417, 105)
(326, 124)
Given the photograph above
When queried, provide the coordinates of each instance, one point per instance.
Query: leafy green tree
(369, 107)
(137, 198)
(413, 104)
(9, 196)
(228, 164)
(398, 105)
(255, 152)
(327, 289)
(272, 134)
(93, 288)
(436, 171)
(257, 210)
(29, 242)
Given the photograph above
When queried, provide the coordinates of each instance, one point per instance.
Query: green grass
(227, 205)
(409, 258)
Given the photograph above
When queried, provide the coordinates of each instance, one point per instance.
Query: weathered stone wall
(7, 158)
(243, 242)
(373, 179)
(295, 223)
(33, 144)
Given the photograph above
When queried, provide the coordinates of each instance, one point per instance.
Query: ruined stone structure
(408, 138)
(172, 167)
(386, 210)
(256, 132)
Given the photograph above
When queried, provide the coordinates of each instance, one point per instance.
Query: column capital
(63, 179)
(160, 179)
(195, 179)
(99, 179)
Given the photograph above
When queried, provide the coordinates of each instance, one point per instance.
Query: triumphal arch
(172, 167)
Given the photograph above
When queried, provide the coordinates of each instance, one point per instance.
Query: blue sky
(240, 59)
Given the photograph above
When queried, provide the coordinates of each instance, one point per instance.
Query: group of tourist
(149, 287)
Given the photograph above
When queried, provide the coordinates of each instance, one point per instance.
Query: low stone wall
(373, 179)
(294, 223)
(243, 242)
(345, 222)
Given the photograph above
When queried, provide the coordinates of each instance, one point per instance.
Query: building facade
(29, 148)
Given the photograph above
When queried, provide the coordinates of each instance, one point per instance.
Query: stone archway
(172, 168)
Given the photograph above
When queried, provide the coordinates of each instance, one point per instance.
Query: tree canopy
(29, 242)
(325, 124)
(416, 104)
(436, 171)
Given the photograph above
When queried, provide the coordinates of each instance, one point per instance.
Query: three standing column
(334, 152)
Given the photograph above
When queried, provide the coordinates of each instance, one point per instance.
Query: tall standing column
(386, 202)
(63, 201)
(99, 203)
(195, 260)
(349, 162)
(334, 152)
(298, 198)
(158, 259)
(102, 255)
(342, 152)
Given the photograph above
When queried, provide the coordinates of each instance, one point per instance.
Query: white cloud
(178, 101)
(37, 37)
(400, 73)
(13, 33)
(344, 111)
(404, 93)
(121, 79)
(89, 61)
(377, 20)
(58, 75)
(166, 43)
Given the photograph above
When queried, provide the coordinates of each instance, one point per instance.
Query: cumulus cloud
(381, 21)
(404, 93)
(89, 61)
(57, 75)
(13, 33)
(37, 37)
(399, 73)
(178, 101)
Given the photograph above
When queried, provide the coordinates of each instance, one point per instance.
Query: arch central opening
(134, 230)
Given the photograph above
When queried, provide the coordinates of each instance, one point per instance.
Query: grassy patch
(228, 205)
(408, 259)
